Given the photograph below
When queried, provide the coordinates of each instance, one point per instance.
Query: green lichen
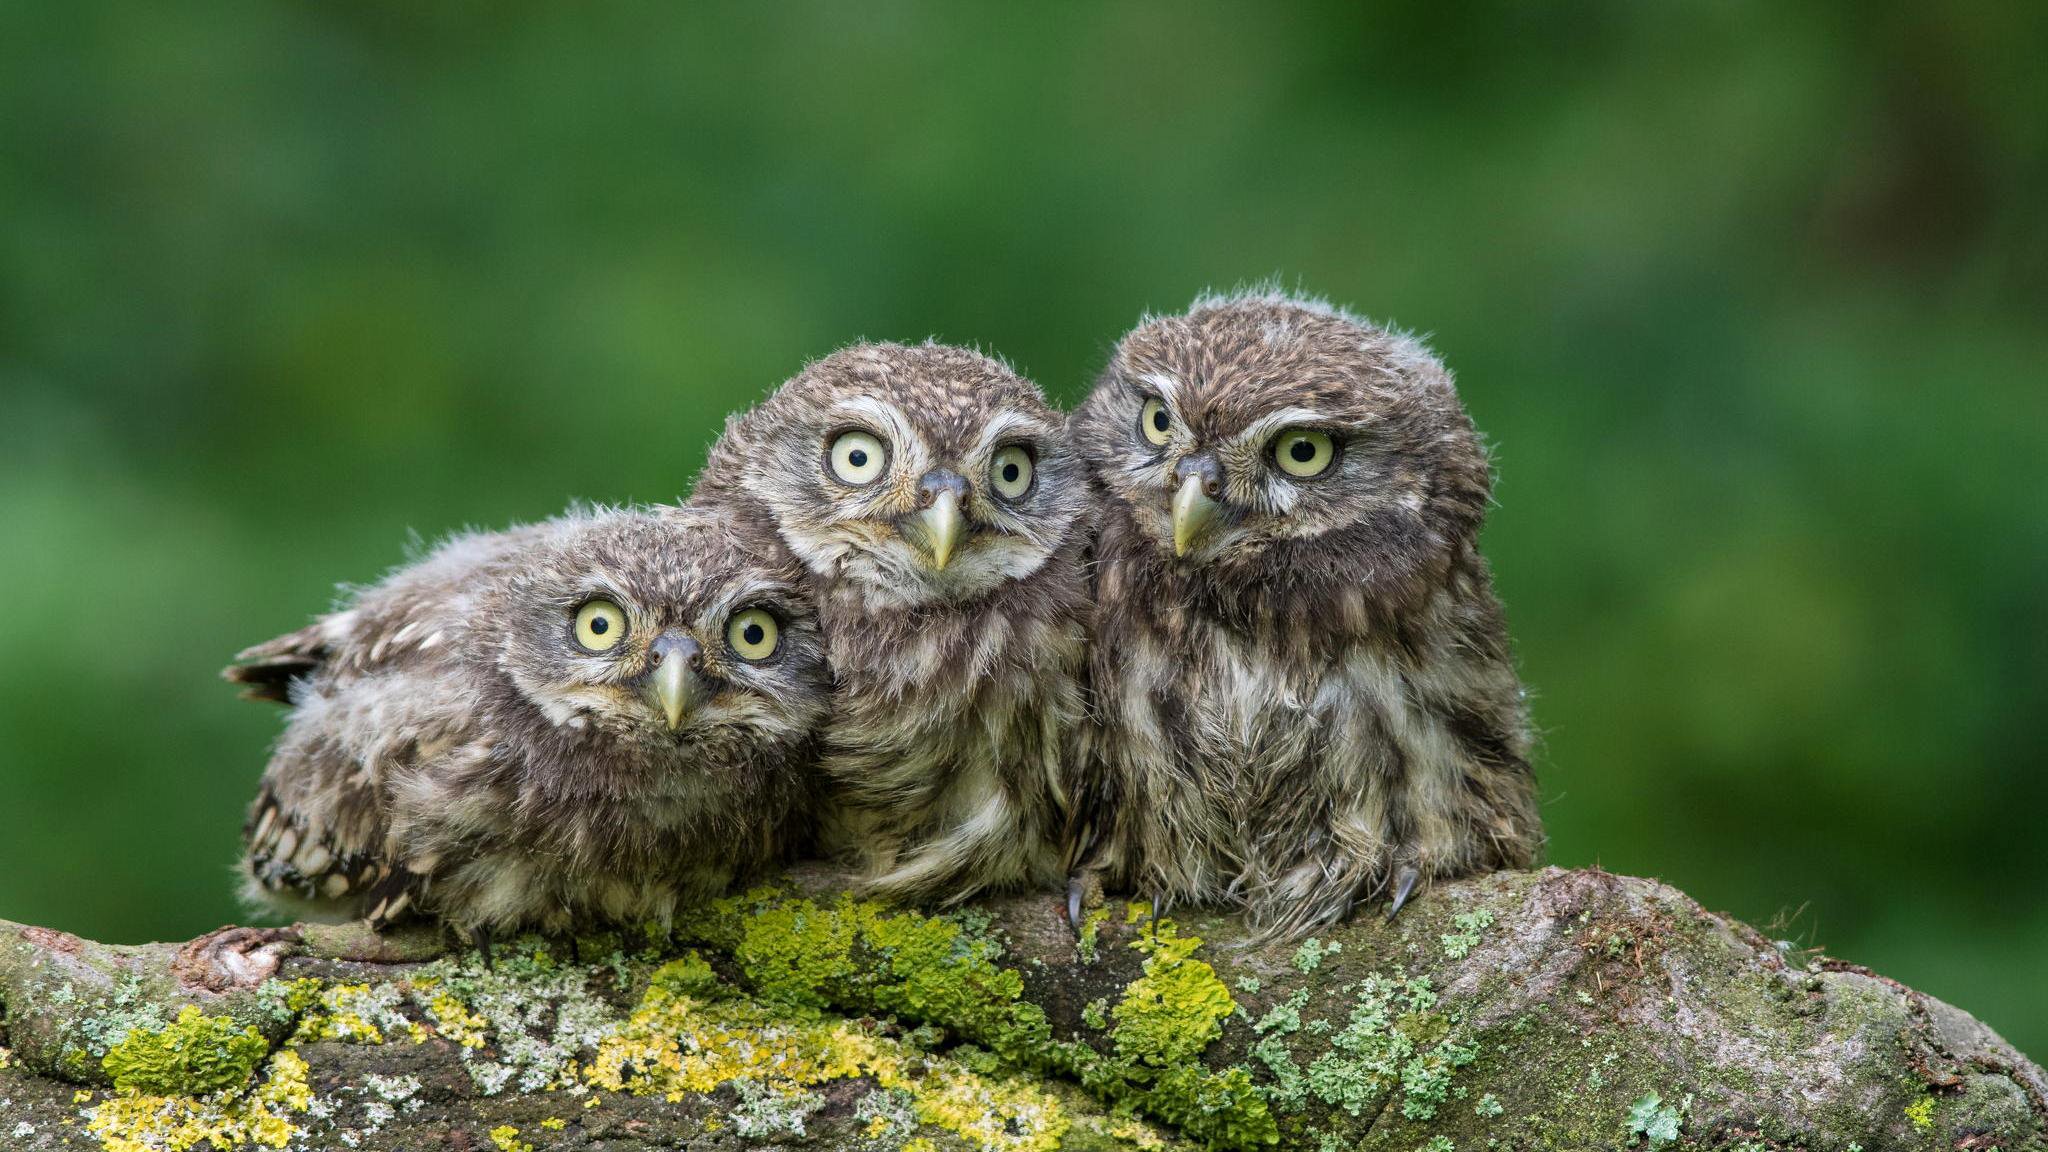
(1921, 1113)
(194, 1055)
(1309, 956)
(689, 975)
(1089, 939)
(1459, 944)
(943, 971)
(1289, 1089)
(1393, 1040)
(1653, 1120)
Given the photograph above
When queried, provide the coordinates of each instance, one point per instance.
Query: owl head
(660, 627)
(921, 473)
(1265, 438)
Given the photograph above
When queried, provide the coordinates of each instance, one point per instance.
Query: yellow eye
(753, 634)
(600, 625)
(1010, 473)
(857, 457)
(1304, 452)
(1155, 421)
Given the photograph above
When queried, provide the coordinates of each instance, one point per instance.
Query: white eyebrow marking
(1257, 431)
(734, 598)
(1006, 425)
(890, 417)
(1167, 387)
(906, 449)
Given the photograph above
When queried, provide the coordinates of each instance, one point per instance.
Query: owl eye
(857, 457)
(1304, 452)
(1155, 422)
(753, 634)
(1012, 471)
(600, 625)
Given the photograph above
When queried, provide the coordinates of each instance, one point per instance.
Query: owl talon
(1075, 890)
(1404, 887)
(480, 939)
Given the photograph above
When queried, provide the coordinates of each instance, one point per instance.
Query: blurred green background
(1751, 301)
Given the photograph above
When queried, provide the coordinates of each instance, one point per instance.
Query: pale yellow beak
(1193, 512)
(675, 689)
(942, 527)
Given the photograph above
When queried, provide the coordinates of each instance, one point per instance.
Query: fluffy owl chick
(1302, 677)
(589, 720)
(934, 498)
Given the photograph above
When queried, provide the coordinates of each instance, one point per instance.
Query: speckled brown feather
(1322, 694)
(453, 753)
(957, 691)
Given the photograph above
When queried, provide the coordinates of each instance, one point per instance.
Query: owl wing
(375, 689)
(414, 609)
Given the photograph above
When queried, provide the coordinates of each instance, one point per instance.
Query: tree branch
(1552, 1009)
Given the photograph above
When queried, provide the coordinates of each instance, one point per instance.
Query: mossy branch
(1554, 1009)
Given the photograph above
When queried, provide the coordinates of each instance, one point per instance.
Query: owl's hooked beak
(674, 684)
(1194, 502)
(941, 519)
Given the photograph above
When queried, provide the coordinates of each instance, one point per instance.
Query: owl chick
(589, 720)
(1302, 677)
(933, 496)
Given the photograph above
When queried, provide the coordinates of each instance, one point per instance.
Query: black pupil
(858, 457)
(1303, 451)
(599, 625)
(1159, 419)
(1010, 473)
(753, 634)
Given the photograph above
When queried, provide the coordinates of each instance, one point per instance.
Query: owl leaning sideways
(933, 496)
(1303, 687)
(588, 720)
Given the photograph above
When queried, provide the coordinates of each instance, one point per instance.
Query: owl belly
(945, 793)
(1232, 735)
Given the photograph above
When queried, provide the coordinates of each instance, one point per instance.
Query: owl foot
(1404, 887)
(480, 939)
(1084, 891)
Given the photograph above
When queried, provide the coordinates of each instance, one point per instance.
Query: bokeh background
(1749, 297)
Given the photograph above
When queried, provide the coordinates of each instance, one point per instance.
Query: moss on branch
(1539, 1010)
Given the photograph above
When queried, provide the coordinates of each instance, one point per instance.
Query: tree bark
(1549, 1009)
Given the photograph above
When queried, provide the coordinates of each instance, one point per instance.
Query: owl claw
(480, 939)
(1404, 887)
(1075, 890)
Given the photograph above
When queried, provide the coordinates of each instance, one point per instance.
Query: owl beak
(1193, 512)
(942, 526)
(675, 688)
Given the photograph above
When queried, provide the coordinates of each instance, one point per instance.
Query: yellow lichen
(136, 1122)
(1177, 1007)
(454, 1021)
(195, 1054)
(675, 1043)
(1921, 1113)
(554, 1124)
(506, 1138)
(342, 1013)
